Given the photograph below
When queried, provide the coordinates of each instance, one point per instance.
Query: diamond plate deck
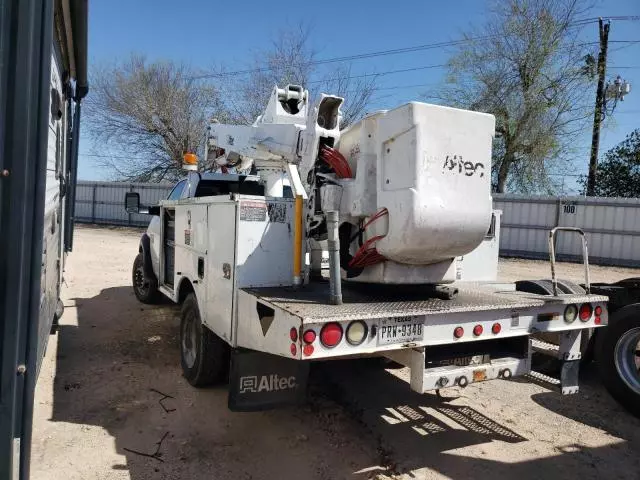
(310, 302)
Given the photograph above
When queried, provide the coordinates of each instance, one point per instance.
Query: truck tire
(145, 288)
(618, 357)
(204, 356)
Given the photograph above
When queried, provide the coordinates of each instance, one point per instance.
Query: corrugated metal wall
(103, 202)
(612, 225)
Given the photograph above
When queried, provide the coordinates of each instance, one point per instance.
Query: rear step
(544, 380)
(568, 354)
(568, 382)
(545, 348)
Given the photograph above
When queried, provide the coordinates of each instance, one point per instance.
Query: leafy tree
(618, 175)
(526, 66)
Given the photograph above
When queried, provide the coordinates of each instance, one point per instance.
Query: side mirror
(132, 202)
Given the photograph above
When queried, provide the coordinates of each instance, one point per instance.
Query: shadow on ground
(423, 431)
(119, 369)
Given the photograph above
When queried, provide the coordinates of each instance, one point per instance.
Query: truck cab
(147, 264)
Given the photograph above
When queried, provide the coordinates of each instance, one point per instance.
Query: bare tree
(357, 92)
(526, 66)
(288, 60)
(291, 59)
(144, 116)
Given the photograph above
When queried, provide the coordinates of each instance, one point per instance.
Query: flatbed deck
(360, 302)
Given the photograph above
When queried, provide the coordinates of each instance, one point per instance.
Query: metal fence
(612, 225)
(103, 202)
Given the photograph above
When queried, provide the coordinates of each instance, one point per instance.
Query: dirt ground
(110, 391)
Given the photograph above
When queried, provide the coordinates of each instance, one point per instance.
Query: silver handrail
(552, 255)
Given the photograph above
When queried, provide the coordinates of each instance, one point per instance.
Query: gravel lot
(106, 372)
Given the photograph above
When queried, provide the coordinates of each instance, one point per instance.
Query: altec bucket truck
(399, 202)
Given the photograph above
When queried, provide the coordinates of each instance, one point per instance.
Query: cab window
(176, 193)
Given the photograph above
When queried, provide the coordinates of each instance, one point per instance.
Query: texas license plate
(400, 330)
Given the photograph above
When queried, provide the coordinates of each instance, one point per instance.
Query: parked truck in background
(43, 79)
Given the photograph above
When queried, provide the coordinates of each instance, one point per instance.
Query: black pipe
(73, 178)
(79, 25)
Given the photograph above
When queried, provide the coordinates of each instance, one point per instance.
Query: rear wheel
(145, 288)
(204, 356)
(618, 357)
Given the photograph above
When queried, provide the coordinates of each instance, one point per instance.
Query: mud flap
(569, 377)
(260, 381)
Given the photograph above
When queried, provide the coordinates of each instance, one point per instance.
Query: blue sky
(208, 33)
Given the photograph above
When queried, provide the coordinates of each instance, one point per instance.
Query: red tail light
(293, 334)
(598, 312)
(477, 330)
(585, 312)
(496, 328)
(458, 332)
(294, 349)
(309, 336)
(331, 334)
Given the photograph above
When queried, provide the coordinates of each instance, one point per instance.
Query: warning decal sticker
(253, 211)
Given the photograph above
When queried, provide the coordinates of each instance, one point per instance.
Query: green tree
(526, 66)
(618, 175)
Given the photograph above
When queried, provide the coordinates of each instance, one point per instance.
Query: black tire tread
(212, 356)
(621, 321)
(153, 296)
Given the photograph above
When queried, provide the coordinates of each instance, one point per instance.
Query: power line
(374, 54)
(624, 17)
(413, 69)
(380, 74)
(124, 157)
(360, 56)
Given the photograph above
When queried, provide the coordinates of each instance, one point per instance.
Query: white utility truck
(401, 202)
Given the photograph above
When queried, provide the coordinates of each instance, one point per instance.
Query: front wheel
(618, 356)
(145, 288)
(204, 356)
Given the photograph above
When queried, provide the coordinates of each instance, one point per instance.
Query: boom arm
(411, 186)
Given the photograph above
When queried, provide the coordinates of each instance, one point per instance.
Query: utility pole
(597, 114)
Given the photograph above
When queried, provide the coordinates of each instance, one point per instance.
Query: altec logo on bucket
(266, 383)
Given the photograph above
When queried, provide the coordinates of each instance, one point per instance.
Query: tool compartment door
(265, 242)
(220, 270)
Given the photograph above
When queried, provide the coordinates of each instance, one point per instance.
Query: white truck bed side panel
(265, 242)
(266, 334)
